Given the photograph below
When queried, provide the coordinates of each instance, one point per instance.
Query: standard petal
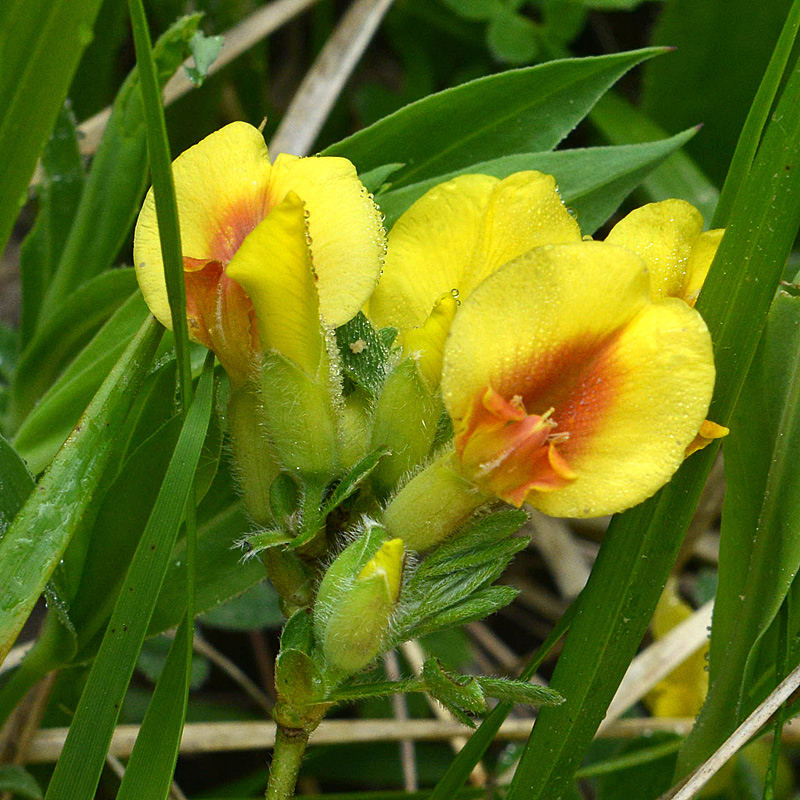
(524, 211)
(345, 227)
(663, 235)
(274, 267)
(570, 331)
(429, 250)
(221, 189)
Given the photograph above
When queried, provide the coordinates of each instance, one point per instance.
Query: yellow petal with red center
(221, 190)
(703, 253)
(429, 249)
(663, 235)
(524, 211)
(427, 341)
(345, 228)
(274, 267)
(571, 328)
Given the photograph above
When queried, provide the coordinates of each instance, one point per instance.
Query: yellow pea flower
(452, 238)
(283, 244)
(669, 238)
(569, 387)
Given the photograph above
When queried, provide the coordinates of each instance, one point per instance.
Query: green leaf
(621, 123)
(59, 193)
(118, 178)
(519, 692)
(48, 425)
(722, 50)
(65, 334)
(20, 783)
(512, 38)
(759, 549)
(375, 178)
(78, 769)
(593, 181)
(40, 533)
(525, 110)
(362, 353)
(352, 480)
(152, 762)
(15, 486)
(461, 694)
(40, 53)
(641, 544)
(255, 609)
(205, 50)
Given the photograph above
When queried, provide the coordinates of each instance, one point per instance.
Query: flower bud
(356, 601)
(405, 423)
(432, 505)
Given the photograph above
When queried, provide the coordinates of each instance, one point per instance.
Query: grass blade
(78, 769)
(39, 53)
(40, 533)
(641, 544)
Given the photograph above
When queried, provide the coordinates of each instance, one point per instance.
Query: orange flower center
(508, 452)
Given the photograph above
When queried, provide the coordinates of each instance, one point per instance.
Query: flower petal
(274, 267)
(571, 328)
(524, 211)
(429, 249)
(663, 235)
(345, 228)
(703, 253)
(221, 189)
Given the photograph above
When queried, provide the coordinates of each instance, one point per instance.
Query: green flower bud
(356, 601)
(299, 416)
(432, 505)
(405, 422)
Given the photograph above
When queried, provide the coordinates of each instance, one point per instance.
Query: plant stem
(290, 744)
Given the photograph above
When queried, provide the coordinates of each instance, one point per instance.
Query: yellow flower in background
(669, 238)
(286, 243)
(569, 387)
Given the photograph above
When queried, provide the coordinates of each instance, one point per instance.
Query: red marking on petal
(233, 224)
(220, 316)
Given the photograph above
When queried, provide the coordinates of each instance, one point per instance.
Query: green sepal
(519, 692)
(300, 686)
(290, 576)
(460, 694)
(284, 497)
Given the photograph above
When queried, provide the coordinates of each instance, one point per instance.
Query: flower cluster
(500, 355)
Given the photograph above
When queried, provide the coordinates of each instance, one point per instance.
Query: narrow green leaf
(621, 123)
(757, 116)
(641, 544)
(48, 425)
(519, 692)
(59, 193)
(64, 334)
(15, 486)
(118, 178)
(354, 478)
(759, 548)
(722, 48)
(164, 192)
(362, 353)
(40, 533)
(41, 42)
(20, 783)
(152, 762)
(78, 769)
(593, 181)
(525, 110)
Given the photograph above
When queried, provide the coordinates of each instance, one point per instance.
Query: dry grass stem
(220, 737)
(408, 757)
(658, 660)
(15, 656)
(325, 80)
(557, 544)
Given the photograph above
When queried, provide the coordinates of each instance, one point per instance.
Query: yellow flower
(452, 238)
(569, 387)
(286, 243)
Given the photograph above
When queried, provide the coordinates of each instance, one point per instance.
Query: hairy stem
(290, 744)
